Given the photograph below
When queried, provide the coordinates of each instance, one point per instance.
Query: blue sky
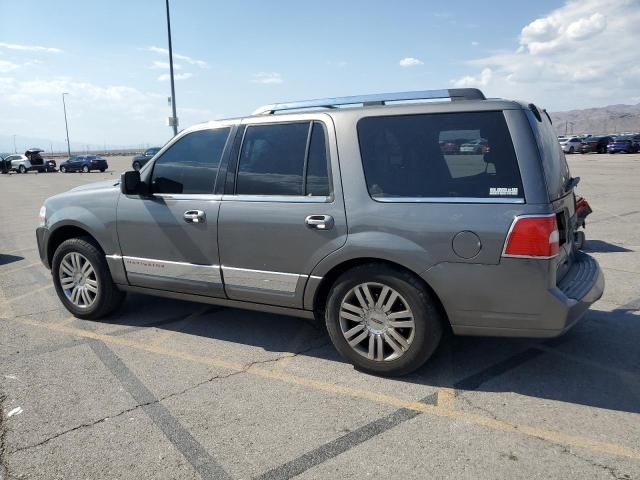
(234, 56)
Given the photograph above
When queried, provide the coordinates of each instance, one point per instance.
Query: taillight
(533, 236)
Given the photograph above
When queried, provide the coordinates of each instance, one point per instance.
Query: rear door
(169, 239)
(282, 211)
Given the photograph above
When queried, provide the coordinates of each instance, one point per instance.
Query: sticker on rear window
(503, 191)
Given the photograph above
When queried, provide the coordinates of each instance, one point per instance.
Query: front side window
(283, 159)
(191, 164)
(439, 155)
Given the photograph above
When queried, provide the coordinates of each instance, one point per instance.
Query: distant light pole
(174, 120)
(66, 125)
(15, 150)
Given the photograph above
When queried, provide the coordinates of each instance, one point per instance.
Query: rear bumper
(513, 299)
(42, 238)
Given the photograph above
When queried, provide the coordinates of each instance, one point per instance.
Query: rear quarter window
(554, 163)
(444, 155)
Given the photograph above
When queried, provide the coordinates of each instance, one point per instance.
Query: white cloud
(29, 48)
(587, 27)
(165, 66)
(475, 44)
(6, 66)
(581, 54)
(267, 78)
(481, 80)
(177, 56)
(178, 76)
(410, 62)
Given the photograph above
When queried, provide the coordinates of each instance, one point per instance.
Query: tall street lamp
(174, 120)
(66, 125)
(15, 150)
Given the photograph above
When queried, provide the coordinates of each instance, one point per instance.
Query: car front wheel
(383, 320)
(82, 280)
(137, 166)
(63, 169)
(22, 169)
(85, 169)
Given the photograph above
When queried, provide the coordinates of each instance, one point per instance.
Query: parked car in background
(38, 163)
(622, 144)
(139, 161)
(595, 144)
(391, 243)
(5, 165)
(84, 163)
(30, 160)
(571, 145)
(477, 147)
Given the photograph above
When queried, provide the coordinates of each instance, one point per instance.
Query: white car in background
(571, 145)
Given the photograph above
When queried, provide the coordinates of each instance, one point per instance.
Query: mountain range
(600, 120)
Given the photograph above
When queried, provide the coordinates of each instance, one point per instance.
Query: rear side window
(554, 163)
(442, 155)
(283, 159)
(191, 164)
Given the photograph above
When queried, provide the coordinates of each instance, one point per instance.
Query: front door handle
(319, 222)
(194, 216)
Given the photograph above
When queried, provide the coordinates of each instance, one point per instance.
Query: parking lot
(170, 389)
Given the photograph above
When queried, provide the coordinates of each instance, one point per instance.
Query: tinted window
(317, 183)
(272, 159)
(191, 164)
(439, 155)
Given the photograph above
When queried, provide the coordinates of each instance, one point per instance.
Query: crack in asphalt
(123, 412)
(610, 470)
(144, 404)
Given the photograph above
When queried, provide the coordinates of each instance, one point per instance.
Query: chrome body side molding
(285, 283)
(173, 270)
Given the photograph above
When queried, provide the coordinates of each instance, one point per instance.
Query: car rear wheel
(102, 170)
(571, 150)
(85, 169)
(83, 281)
(382, 320)
(22, 169)
(137, 166)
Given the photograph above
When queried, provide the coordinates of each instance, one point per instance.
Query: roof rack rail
(454, 94)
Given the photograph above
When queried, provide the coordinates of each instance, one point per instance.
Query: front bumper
(42, 238)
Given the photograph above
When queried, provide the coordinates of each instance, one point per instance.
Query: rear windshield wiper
(572, 182)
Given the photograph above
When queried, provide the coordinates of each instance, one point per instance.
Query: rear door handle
(319, 222)
(194, 216)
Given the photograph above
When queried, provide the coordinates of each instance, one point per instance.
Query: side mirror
(130, 183)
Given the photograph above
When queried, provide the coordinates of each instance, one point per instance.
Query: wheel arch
(316, 296)
(65, 232)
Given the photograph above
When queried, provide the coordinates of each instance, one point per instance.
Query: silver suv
(361, 211)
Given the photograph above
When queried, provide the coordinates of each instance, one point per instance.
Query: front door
(283, 210)
(169, 239)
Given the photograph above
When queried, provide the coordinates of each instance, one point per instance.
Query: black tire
(85, 169)
(102, 170)
(137, 166)
(571, 150)
(427, 317)
(108, 298)
(22, 169)
(63, 169)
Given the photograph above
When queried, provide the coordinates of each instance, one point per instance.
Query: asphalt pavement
(167, 389)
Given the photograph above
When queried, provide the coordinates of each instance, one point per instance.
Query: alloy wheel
(377, 322)
(78, 280)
